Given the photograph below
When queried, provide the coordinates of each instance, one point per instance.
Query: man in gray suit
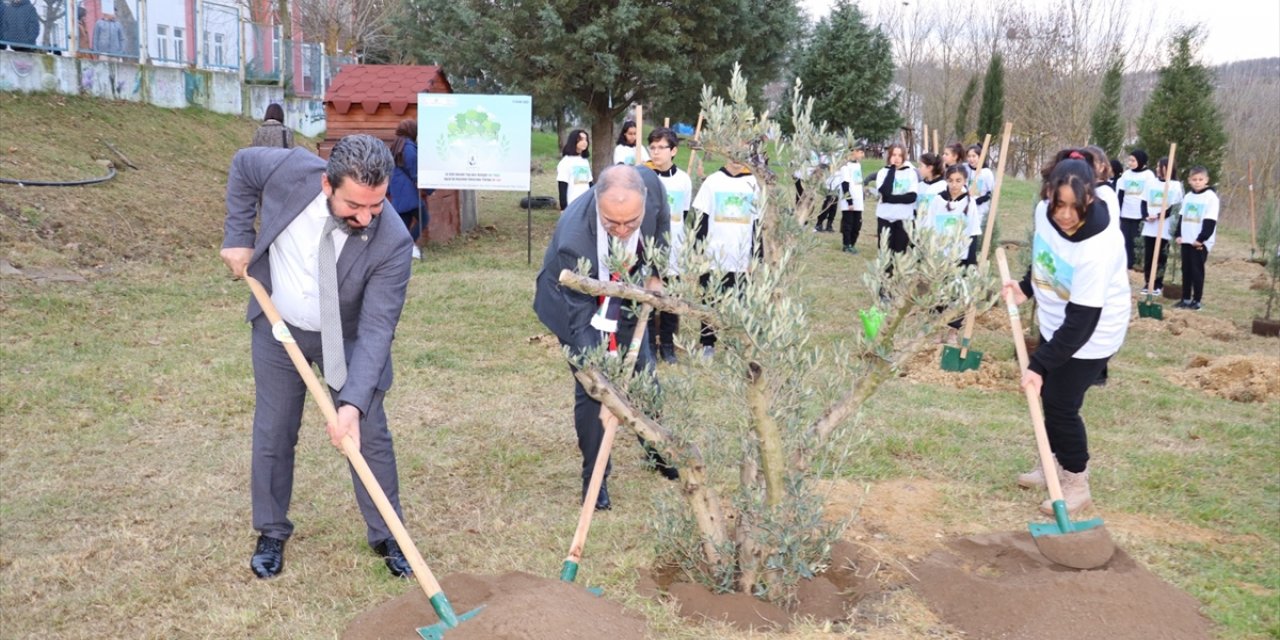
(312, 214)
(628, 204)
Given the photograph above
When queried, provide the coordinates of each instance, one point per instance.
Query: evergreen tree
(1105, 126)
(966, 105)
(991, 114)
(1182, 110)
(847, 68)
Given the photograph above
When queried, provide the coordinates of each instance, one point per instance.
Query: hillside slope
(170, 208)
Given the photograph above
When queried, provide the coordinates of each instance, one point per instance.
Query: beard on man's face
(344, 224)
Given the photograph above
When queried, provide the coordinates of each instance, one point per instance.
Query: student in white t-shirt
(952, 213)
(625, 150)
(1081, 287)
(1196, 235)
(931, 183)
(726, 210)
(851, 215)
(982, 181)
(1129, 190)
(897, 184)
(1151, 225)
(663, 145)
(835, 192)
(1104, 187)
(573, 174)
(953, 155)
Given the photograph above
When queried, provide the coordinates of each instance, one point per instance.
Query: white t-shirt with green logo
(576, 172)
(729, 204)
(1196, 208)
(679, 192)
(1090, 273)
(1154, 196)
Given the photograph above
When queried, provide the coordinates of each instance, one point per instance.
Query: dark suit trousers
(586, 410)
(277, 416)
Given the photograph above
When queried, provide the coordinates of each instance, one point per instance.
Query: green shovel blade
(1062, 523)
(436, 631)
(569, 571)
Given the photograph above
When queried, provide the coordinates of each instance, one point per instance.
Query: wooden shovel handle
(321, 393)
(971, 314)
(639, 133)
(693, 153)
(1033, 401)
(1164, 206)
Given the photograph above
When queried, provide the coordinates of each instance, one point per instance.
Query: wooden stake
(971, 315)
(1253, 215)
(924, 141)
(936, 147)
(666, 122)
(639, 131)
(1164, 206)
(693, 152)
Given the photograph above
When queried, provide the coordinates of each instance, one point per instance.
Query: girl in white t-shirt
(982, 181)
(1129, 190)
(625, 150)
(1104, 182)
(897, 184)
(931, 183)
(1196, 235)
(851, 208)
(1154, 198)
(726, 210)
(573, 174)
(952, 213)
(1079, 280)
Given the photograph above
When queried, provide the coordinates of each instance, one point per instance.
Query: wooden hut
(373, 99)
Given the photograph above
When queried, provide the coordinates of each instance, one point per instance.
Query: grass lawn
(125, 422)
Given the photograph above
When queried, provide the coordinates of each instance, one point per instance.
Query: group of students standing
(725, 201)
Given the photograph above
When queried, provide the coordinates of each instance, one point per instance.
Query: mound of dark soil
(999, 586)
(517, 606)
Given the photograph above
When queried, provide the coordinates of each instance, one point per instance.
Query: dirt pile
(517, 606)
(1242, 378)
(992, 374)
(1192, 327)
(999, 586)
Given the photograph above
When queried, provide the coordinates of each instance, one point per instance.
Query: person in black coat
(20, 24)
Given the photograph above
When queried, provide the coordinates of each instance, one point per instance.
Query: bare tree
(351, 26)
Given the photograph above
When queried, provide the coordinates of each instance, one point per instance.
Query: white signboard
(474, 141)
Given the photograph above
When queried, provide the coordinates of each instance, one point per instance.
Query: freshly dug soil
(1242, 378)
(992, 374)
(517, 606)
(829, 597)
(1192, 326)
(998, 585)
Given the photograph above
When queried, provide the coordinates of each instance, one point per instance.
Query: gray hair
(620, 176)
(361, 157)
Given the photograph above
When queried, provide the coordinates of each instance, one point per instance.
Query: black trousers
(729, 281)
(1130, 229)
(971, 257)
(828, 211)
(799, 190)
(898, 239)
(663, 325)
(1149, 258)
(586, 410)
(1063, 395)
(850, 227)
(1193, 260)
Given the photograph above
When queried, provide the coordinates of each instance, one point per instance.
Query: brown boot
(1075, 492)
(1034, 479)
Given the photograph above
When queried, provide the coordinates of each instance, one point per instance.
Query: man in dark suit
(628, 204)
(337, 270)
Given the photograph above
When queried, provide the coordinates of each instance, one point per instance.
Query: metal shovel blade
(951, 360)
(436, 631)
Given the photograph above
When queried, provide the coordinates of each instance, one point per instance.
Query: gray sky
(1237, 29)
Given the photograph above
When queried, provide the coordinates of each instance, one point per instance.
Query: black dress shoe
(268, 557)
(668, 353)
(602, 499)
(391, 554)
(660, 464)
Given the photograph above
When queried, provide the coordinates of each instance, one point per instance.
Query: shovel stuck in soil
(443, 609)
(1149, 309)
(1079, 545)
(569, 571)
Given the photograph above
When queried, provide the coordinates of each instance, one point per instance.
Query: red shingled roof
(371, 85)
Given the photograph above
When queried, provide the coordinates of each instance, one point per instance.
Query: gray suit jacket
(373, 269)
(567, 313)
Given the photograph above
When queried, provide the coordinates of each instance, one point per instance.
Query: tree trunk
(601, 131)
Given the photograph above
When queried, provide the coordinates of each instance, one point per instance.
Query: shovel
(1079, 545)
(1149, 309)
(569, 570)
(962, 358)
(444, 610)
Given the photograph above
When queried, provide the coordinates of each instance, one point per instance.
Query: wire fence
(216, 38)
